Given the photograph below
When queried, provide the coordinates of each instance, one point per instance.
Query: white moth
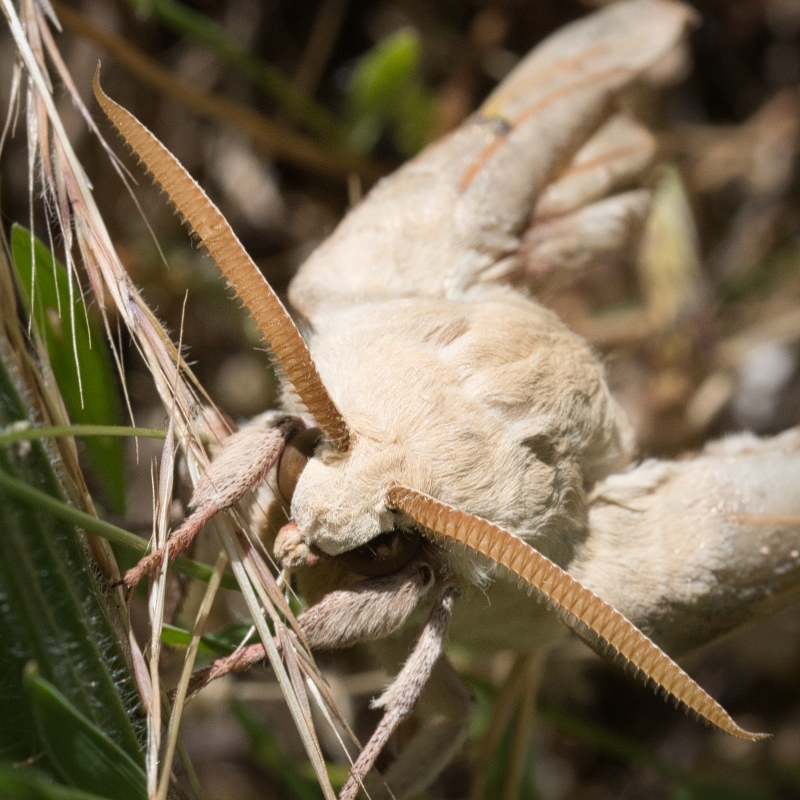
(437, 402)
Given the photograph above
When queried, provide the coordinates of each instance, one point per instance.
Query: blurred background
(287, 112)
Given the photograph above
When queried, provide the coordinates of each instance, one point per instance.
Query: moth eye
(384, 554)
(294, 459)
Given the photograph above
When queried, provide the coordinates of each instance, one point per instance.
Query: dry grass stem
(186, 673)
(155, 606)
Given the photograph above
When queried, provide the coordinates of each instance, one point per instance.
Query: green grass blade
(31, 432)
(91, 394)
(83, 755)
(53, 609)
(222, 643)
(67, 513)
(16, 784)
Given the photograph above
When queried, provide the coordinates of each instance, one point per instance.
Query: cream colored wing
(689, 550)
(455, 215)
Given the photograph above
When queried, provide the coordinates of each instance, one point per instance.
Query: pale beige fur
(451, 384)
(687, 550)
(474, 394)
(477, 395)
(616, 156)
(711, 541)
(489, 403)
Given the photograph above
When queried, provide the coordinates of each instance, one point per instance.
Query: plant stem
(112, 533)
(30, 433)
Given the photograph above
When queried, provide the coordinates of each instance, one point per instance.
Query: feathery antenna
(245, 278)
(579, 607)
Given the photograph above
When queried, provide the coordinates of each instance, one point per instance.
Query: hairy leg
(402, 695)
(245, 460)
(367, 610)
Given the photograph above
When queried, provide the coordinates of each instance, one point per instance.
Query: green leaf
(52, 609)
(222, 643)
(27, 784)
(413, 118)
(83, 370)
(83, 755)
(386, 91)
(384, 72)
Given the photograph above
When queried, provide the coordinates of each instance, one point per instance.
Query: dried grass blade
(66, 79)
(269, 584)
(83, 225)
(156, 602)
(293, 670)
(105, 271)
(141, 673)
(327, 705)
(249, 583)
(186, 673)
(13, 103)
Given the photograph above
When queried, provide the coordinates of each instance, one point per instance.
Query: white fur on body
(451, 384)
(489, 403)
(469, 391)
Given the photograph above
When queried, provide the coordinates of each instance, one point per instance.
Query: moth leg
(245, 460)
(445, 709)
(401, 696)
(367, 610)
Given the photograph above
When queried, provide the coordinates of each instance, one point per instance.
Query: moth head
(338, 500)
(382, 551)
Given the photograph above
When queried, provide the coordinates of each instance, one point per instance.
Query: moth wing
(456, 215)
(739, 501)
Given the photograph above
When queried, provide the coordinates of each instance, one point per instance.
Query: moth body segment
(448, 399)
